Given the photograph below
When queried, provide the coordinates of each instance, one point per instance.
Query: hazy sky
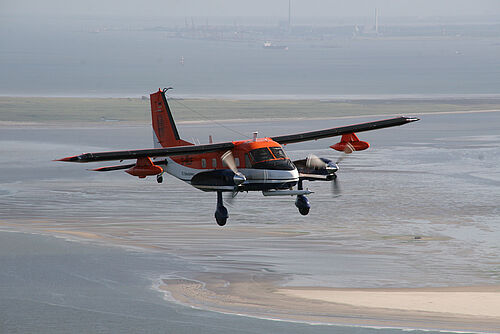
(300, 8)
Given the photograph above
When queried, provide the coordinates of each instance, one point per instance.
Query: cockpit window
(278, 152)
(261, 154)
(264, 159)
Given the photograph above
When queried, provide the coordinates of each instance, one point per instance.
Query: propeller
(336, 187)
(349, 148)
(238, 178)
(230, 197)
(312, 161)
(315, 162)
(228, 160)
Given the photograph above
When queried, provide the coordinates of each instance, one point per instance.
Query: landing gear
(159, 178)
(302, 203)
(221, 214)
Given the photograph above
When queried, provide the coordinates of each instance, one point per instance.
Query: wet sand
(453, 308)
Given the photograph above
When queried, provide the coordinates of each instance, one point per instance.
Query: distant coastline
(79, 110)
(271, 97)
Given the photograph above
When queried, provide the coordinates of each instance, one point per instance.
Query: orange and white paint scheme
(258, 164)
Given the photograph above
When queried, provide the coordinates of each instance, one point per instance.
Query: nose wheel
(221, 213)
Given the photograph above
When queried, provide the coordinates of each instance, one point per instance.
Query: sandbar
(469, 309)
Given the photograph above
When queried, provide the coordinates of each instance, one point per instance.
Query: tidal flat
(418, 211)
(71, 111)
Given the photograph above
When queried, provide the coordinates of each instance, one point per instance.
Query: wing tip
(74, 158)
(412, 119)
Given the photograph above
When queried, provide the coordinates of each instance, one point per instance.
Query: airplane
(257, 164)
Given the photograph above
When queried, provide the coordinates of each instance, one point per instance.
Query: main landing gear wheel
(302, 203)
(159, 178)
(221, 214)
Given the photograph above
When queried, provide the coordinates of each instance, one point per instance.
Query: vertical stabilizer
(164, 130)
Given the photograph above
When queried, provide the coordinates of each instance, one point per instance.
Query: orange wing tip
(68, 159)
(101, 169)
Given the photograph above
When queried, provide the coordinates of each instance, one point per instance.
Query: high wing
(332, 132)
(151, 153)
(199, 149)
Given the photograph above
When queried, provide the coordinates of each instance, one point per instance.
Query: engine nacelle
(328, 169)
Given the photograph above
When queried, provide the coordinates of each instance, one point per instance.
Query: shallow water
(49, 285)
(69, 61)
(419, 208)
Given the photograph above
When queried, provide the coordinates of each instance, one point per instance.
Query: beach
(472, 309)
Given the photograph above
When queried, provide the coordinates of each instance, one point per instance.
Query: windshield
(282, 164)
(261, 154)
(278, 152)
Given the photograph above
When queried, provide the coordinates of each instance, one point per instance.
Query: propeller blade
(315, 162)
(335, 187)
(230, 197)
(228, 160)
(342, 157)
(347, 150)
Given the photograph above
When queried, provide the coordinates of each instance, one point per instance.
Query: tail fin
(164, 130)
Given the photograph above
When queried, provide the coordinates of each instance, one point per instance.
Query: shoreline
(119, 123)
(117, 111)
(277, 97)
(262, 296)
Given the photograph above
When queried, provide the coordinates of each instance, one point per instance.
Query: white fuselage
(255, 177)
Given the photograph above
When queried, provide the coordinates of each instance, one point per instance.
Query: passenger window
(214, 163)
(248, 164)
(203, 163)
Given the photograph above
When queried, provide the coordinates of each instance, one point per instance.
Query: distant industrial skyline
(255, 8)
